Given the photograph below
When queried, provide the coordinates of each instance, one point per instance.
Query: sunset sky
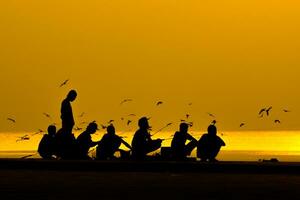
(227, 57)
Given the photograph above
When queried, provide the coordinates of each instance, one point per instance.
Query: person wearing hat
(85, 142)
(209, 145)
(142, 143)
(110, 144)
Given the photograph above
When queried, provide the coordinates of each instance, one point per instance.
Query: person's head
(72, 95)
(212, 130)
(111, 129)
(92, 128)
(52, 130)
(144, 124)
(184, 127)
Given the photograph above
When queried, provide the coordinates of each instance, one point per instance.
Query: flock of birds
(264, 112)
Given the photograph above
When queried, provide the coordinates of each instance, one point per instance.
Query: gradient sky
(228, 57)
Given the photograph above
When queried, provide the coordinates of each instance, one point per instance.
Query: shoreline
(152, 166)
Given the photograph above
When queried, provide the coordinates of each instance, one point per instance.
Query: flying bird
(110, 121)
(64, 83)
(214, 122)
(77, 128)
(38, 132)
(242, 125)
(286, 111)
(261, 112)
(103, 127)
(268, 110)
(47, 115)
(277, 121)
(159, 103)
(125, 101)
(190, 104)
(187, 116)
(132, 115)
(23, 138)
(11, 120)
(211, 115)
(129, 122)
(82, 114)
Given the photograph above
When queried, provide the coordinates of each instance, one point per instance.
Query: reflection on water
(241, 146)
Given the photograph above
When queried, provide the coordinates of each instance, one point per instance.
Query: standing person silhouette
(142, 143)
(180, 150)
(210, 145)
(66, 141)
(67, 117)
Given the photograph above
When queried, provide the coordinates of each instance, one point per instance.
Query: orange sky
(227, 57)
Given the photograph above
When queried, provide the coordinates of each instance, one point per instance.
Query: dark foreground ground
(86, 180)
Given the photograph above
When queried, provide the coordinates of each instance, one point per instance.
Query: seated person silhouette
(142, 144)
(209, 145)
(67, 112)
(179, 147)
(47, 146)
(110, 144)
(84, 141)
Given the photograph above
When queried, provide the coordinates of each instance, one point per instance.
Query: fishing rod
(169, 124)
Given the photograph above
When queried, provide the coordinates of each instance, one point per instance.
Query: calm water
(241, 146)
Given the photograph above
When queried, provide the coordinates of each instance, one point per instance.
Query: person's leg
(213, 154)
(189, 148)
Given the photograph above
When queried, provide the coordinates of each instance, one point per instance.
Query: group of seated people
(64, 145)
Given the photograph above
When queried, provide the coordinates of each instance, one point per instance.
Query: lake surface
(241, 146)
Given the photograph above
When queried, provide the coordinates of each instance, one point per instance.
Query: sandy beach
(81, 180)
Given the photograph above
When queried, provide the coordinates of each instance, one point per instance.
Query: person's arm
(126, 144)
(222, 143)
(191, 138)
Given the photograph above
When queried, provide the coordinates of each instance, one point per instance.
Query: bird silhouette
(38, 132)
(12, 120)
(190, 104)
(64, 83)
(261, 112)
(286, 111)
(159, 103)
(111, 121)
(103, 126)
(187, 116)
(214, 122)
(129, 122)
(277, 121)
(81, 115)
(132, 115)
(211, 115)
(125, 101)
(47, 115)
(23, 138)
(77, 128)
(242, 125)
(269, 110)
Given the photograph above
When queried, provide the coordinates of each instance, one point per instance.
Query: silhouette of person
(110, 144)
(47, 146)
(84, 141)
(180, 150)
(142, 144)
(209, 145)
(67, 117)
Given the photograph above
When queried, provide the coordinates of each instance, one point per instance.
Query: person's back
(84, 141)
(108, 146)
(142, 144)
(209, 145)
(180, 150)
(47, 146)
